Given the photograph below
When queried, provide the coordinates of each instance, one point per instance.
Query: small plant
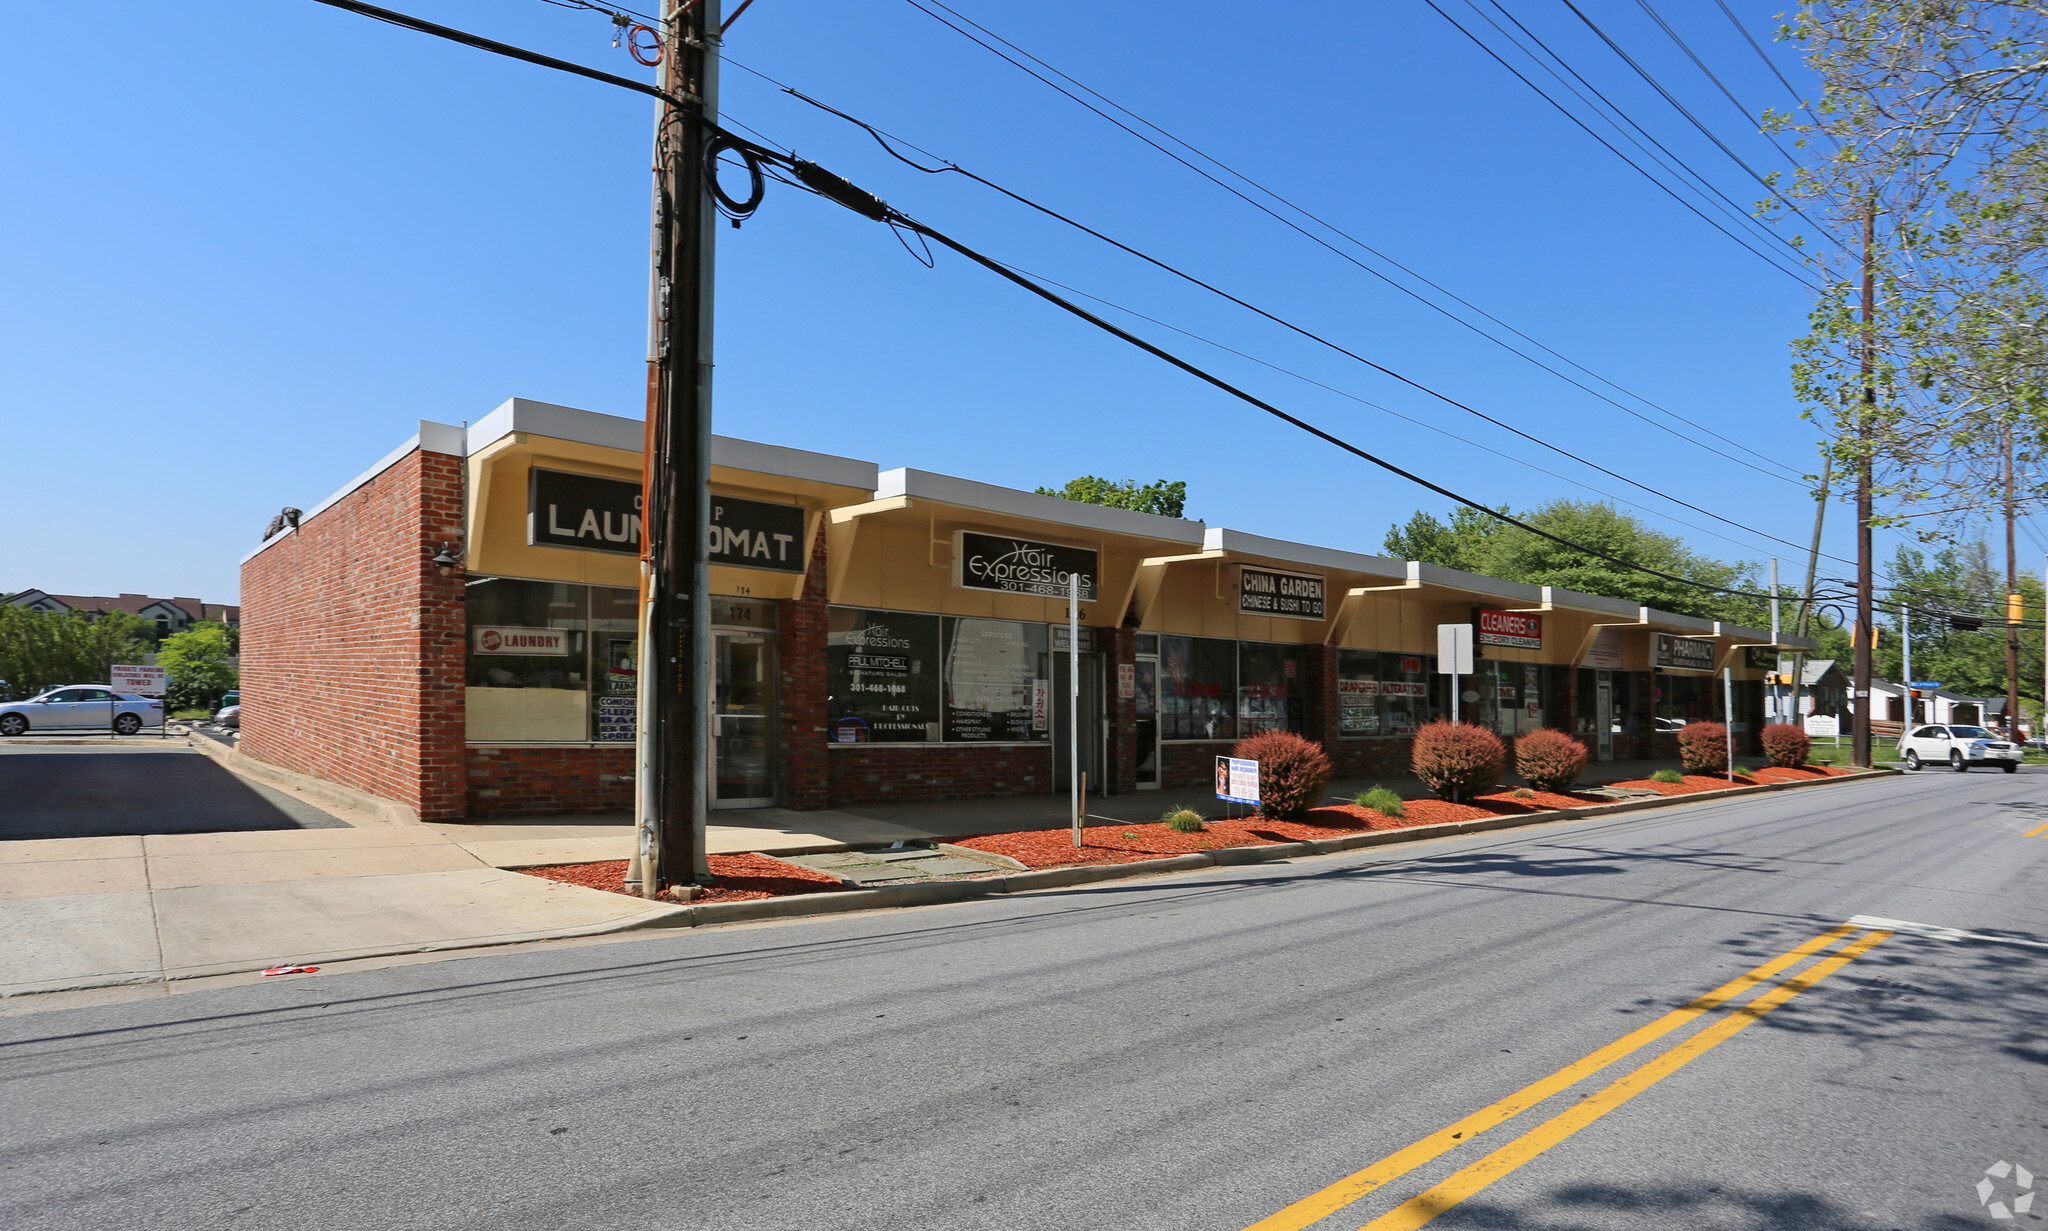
(1703, 748)
(1380, 800)
(1667, 775)
(1550, 760)
(1786, 744)
(1128, 834)
(1294, 773)
(1522, 792)
(1184, 820)
(1458, 757)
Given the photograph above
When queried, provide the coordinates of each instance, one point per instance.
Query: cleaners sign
(1021, 566)
(1264, 592)
(1512, 628)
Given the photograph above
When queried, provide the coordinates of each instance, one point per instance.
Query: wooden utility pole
(2014, 608)
(1820, 515)
(672, 793)
(1859, 744)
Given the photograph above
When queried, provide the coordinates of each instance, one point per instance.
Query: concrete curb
(314, 790)
(934, 892)
(111, 741)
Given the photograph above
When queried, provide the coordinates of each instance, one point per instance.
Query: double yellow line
(2038, 831)
(1462, 1184)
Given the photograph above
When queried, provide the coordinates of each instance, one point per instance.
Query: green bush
(1667, 775)
(1458, 757)
(1184, 820)
(1381, 800)
(1293, 772)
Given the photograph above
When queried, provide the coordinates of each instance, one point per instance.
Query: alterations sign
(1297, 596)
(500, 639)
(757, 534)
(1519, 629)
(1021, 566)
(1684, 653)
(586, 512)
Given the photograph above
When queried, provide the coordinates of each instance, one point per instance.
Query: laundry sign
(586, 512)
(501, 639)
(757, 534)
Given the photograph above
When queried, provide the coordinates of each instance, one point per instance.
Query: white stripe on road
(1936, 932)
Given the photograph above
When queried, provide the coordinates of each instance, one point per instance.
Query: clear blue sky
(247, 245)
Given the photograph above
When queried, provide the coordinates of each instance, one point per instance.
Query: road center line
(1319, 1205)
(1935, 931)
(2038, 831)
(1462, 1184)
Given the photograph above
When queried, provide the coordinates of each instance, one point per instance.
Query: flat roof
(1012, 502)
(620, 432)
(1222, 538)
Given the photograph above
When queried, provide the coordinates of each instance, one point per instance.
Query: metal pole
(1074, 696)
(1728, 712)
(1774, 637)
(1859, 740)
(1906, 661)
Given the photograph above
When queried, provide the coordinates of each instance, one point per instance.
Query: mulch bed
(1695, 783)
(735, 878)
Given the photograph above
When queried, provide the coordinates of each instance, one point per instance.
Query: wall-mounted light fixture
(447, 558)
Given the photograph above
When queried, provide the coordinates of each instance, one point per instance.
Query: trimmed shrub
(1184, 820)
(1786, 744)
(1550, 760)
(1667, 775)
(1458, 757)
(1703, 748)
(1380, 800)
(1293, 772)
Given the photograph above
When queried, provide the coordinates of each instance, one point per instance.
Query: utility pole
(1859, 742)
(672, 794)
(1820, 515)
(2014, 605)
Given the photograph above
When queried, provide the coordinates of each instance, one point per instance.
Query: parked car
(1960, 748)
(232, 696)
(230, 716)
(81, 706)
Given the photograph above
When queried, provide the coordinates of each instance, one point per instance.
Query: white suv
(1960, 747)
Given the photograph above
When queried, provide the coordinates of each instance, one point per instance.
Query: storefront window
(1385, 694)
(1517, 698)
(1197, 688)
(1684, 698)
(996, 690)
(539, 652)
(1271, 688)
(882, 677)
(1621, 710)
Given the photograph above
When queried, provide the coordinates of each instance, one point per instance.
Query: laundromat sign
(1021, 566)
(590, 513)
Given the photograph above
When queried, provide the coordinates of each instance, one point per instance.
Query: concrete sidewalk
(97, 912)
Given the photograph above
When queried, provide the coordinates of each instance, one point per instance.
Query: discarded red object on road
(291, 970)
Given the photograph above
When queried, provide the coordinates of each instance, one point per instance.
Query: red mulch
(735, 878)
(1695, 783)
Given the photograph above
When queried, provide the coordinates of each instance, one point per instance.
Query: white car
(1959, 748)
(92, 707)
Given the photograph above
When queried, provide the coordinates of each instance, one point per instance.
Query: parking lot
(70, 791)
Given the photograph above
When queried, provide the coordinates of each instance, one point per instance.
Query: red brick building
(882, 636)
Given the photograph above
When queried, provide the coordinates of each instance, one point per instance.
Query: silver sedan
(74, 707)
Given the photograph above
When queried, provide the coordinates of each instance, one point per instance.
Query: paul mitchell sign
(1266, 592)
(1021, 566)
(756, 534)
(583, 511)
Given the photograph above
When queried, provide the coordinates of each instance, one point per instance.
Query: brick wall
(352, 642)
(887, 773)
(507, 781)
(801, 714)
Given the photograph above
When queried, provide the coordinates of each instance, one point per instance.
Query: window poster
(882, 677)
(994, 682)
(617, 719)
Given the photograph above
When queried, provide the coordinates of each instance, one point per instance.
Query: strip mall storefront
(884, 636)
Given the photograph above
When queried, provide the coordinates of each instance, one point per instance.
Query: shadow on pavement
(109, 792)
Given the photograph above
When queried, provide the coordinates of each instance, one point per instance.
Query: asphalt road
(61, 791)
(1188, 1052)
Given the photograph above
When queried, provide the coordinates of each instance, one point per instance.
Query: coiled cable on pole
(757, 187)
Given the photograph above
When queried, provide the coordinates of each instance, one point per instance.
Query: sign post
(1074, 696)
(1728, 712)
(147, 680)
(1454, 657)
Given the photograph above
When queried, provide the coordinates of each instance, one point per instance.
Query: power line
(824, 183)
(1305, 213)
(1661, 185)
(1287, 324)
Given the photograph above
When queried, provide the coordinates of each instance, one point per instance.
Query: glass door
(1603, 714)
(742, 719)
(1148, 724)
